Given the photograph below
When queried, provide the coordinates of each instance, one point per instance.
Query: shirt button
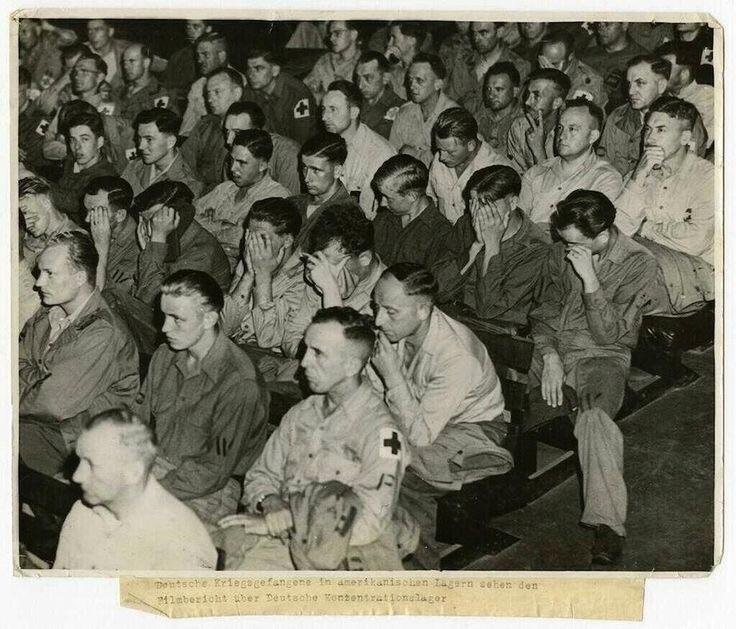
(310, 455)
(337, 472)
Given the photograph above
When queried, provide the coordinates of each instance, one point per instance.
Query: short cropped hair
(590, 211)
(373, 55)
(435, 62)
(119, 191)
(269, 56)
(344, 223)
(91, 120)
(503, 67)
(73, 108)
(257, 141)
(493, 183)
(350, 90)
(417, 30)
(595, 112)
(100, 64)
(331, 146)
(281, 213)
(135, 435)
(411, 174)
(217, 39)
(165, 192)
(33, 186)
(81, 252)
(660, 67)
(74, 49)
(558, 78)
(685, 53)
(249, 108)
(356, 327)
(415, 278)
(456, 122)
(235, 77)
(675, 108)
(166, 121)
(188, 282)
(559, 37)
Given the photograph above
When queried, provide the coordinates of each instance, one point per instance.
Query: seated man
(142, 89)
(39, 50)
(685, 61)
(464, 84)
(408, 226)
(86, 162)
(459, 153)
(500, 252)
(202, 150)
(223, 210)
(107, 202)
(344, 41)
(170, 240)
(668, 199)
(287, 103)
(557, 50)
(322, 158)
(41, 219)
(342, 434)
(158, 158)
(500, 105)
(593, 290)
(646, 76)
(284, 163)
(406, 40)
(30, 129)
(380, 102)
(531, 136)
(440, 384)
(181, 71)
(341, 269)
(269, 279)
(75, 356)
(366, 149)
(576, 166)
(201, 398)
(411, 132)
(105, 530)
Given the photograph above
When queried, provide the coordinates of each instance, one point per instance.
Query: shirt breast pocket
(334, 466)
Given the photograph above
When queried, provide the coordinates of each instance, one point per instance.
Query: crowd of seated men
(199, 240)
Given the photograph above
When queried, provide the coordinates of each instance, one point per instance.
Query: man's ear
(100, 142)
(222, 56)
(147, 64)
(365, 258)
(439, 84)
(339, 169)
(275, 70)
(239, 91)
(133, 472)
(111, 31)
(424, 310)
(661, 86)
(171, 141)
(210, 319)
(687, 137)
(515, 91)
(594, 135)
(354, 113)
(513, 200)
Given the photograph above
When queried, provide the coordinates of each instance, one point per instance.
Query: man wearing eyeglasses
(344, 42)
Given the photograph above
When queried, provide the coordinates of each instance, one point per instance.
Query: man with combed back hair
(202, 400)
(595, 286)
(440, 384)
(126, 520)
(499, 251)
(75, 357)
(669, 201)
(408, 226)
(342, 435)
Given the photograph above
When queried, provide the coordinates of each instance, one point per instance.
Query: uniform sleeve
(423, 419)
(69, 549)
(515, 148)
(609, 183)
(547, 305)
(80, 374)
(193, 111)
(631, 206)
(526, 196)
(380, 480)
(269, 319)
(612, 321)
(297, 323)
(152, 270)
(233, 414)
(233, 312)
(285, 168)
(266, 475)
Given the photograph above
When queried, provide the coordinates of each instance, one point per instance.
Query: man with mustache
(500, 105)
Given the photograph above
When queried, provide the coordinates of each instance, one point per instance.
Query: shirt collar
(212, 364)
(585, 165)
(57, 316)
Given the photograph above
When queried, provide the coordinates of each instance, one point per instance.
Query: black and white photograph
(366, 294)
